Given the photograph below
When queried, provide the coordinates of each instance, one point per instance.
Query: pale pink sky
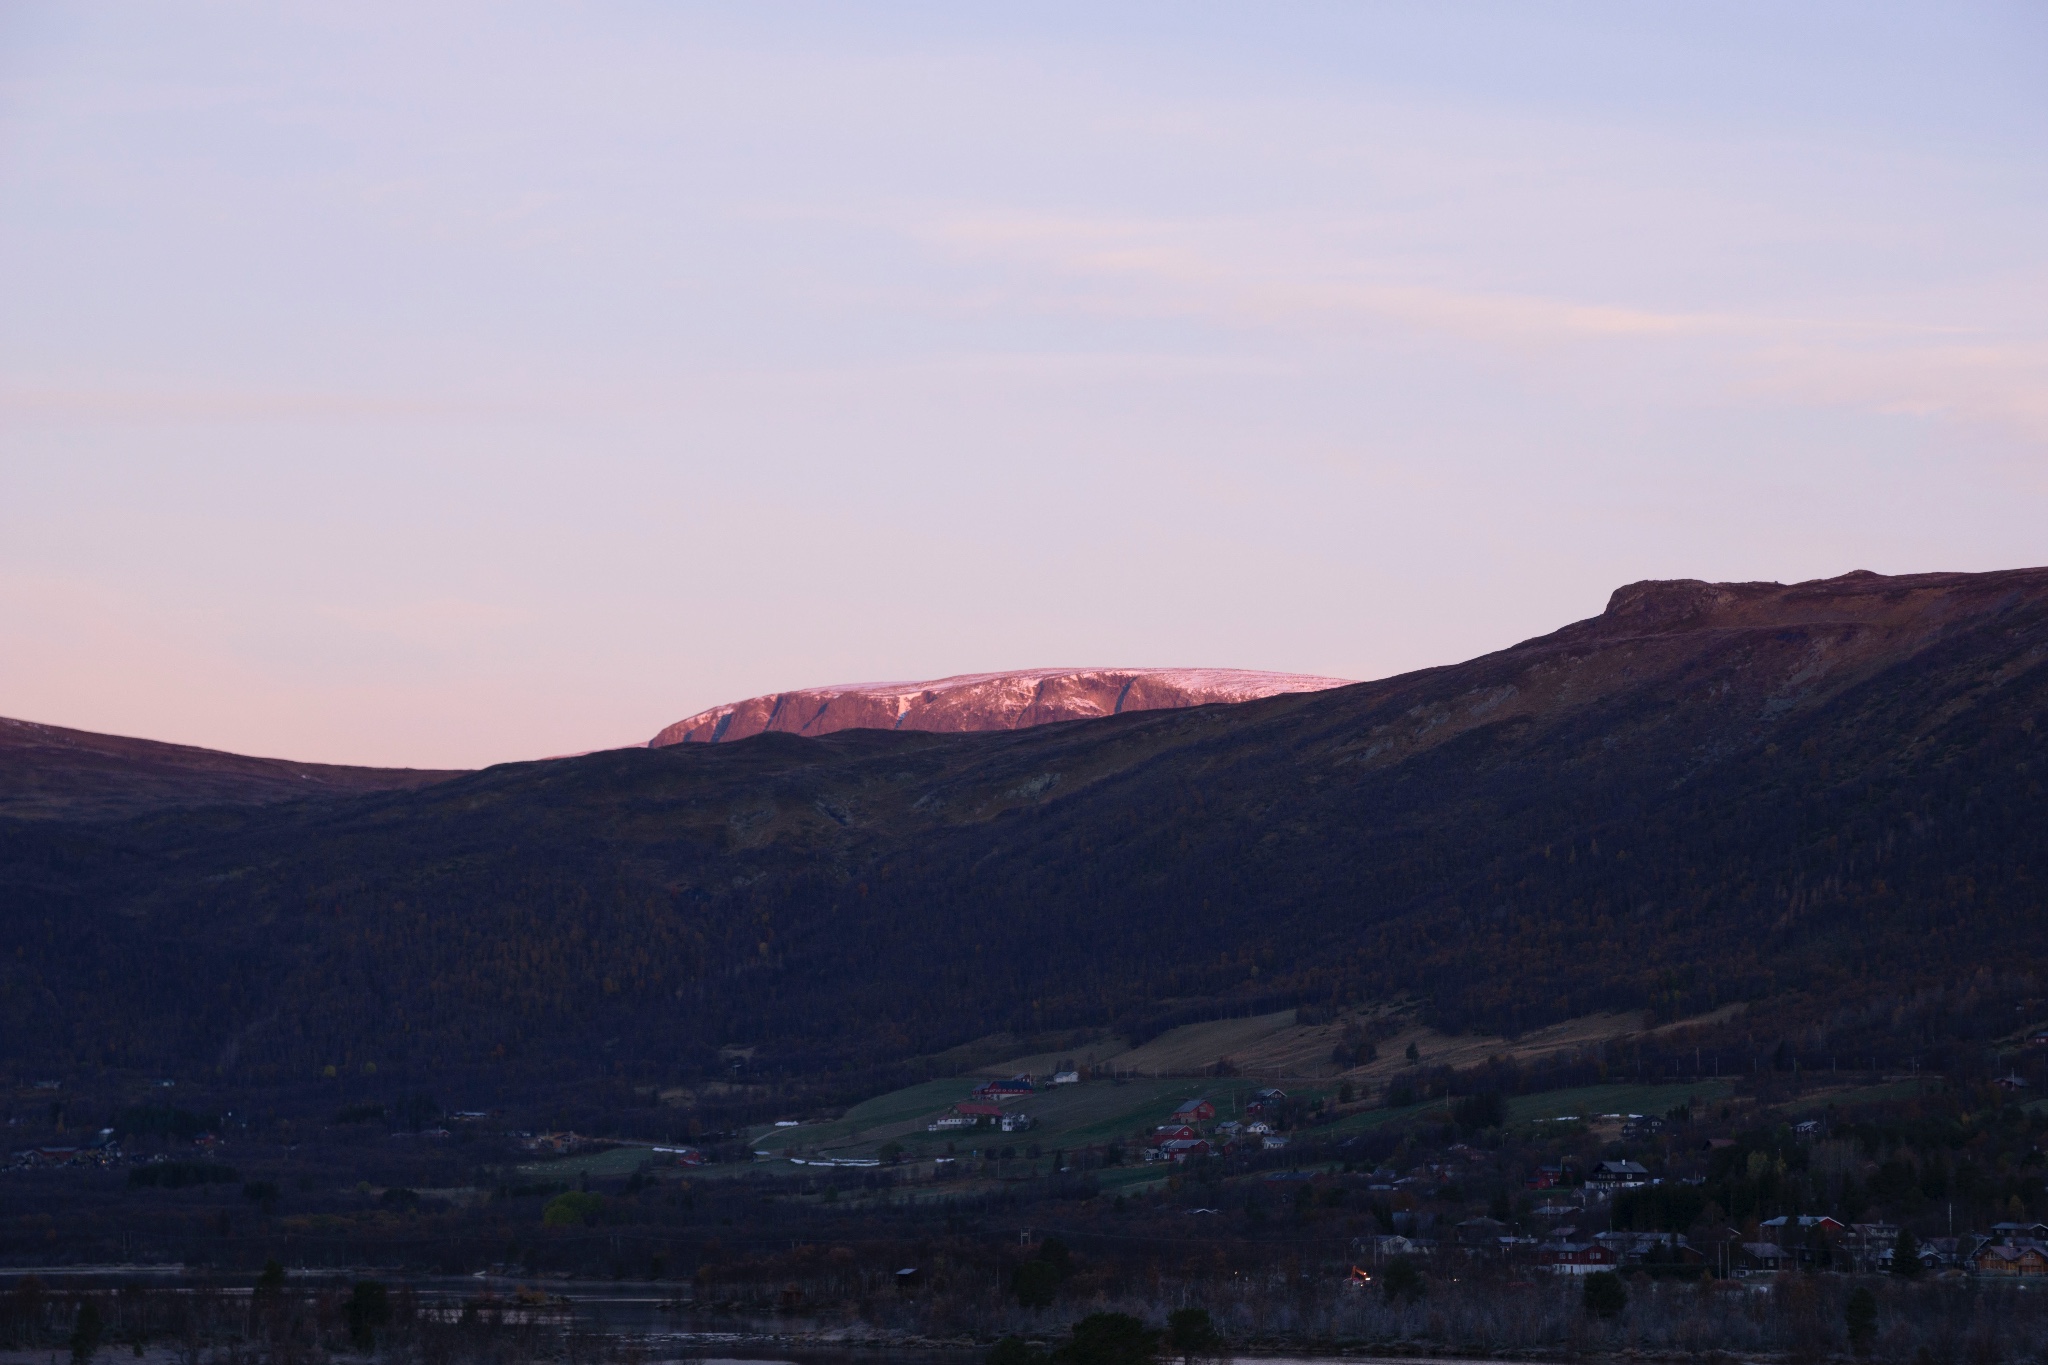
(451, 384)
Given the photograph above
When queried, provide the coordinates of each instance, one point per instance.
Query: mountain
(1826, 795)
(982, 701)
(50, 772)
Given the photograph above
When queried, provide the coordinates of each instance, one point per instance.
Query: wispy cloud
(1905, 360)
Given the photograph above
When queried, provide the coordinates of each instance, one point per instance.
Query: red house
(1576, 1258)
(1195, 1111)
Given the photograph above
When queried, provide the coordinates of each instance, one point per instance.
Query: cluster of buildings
(552, 1144)
(1194, 1130)
(99, 1150)
(984, 1109)
(1789, 1242)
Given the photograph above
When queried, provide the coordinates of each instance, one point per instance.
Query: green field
(1068, 1116)
(1587, 1101)
(914, 1105)
(1862, 1094)
(1097, 1112)
(1367, 1119)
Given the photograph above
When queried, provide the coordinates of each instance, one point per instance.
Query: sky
(442, 385)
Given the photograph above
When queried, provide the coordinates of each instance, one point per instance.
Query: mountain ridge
(1823, 793)
(1008, 700)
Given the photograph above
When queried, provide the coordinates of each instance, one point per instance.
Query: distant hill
(1828, 794)
(50, 772)
(982, 701)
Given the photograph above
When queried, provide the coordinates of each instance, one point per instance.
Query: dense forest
(1824, 800)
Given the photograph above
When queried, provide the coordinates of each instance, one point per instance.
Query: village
(1621, 1192)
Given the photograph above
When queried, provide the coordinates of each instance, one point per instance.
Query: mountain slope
(1708, 793)
(982, 701)
(48, 771)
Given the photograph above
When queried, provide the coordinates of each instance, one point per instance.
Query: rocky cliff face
(983, 701)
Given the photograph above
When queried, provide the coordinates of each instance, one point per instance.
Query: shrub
(1108, 1339)
(1402, 1279)
(1859, 1316)
(1036, 1283)
(570, 1209)
(367, 1309)
(85, 1333)
(1190, 1333)
(1606, 1295)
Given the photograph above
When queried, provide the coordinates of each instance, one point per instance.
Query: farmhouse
(966, 1114)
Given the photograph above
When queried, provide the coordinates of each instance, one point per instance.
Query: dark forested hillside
(51, 772)
(1828, 792)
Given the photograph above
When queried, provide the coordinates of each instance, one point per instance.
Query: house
(1265, 1101)
(1546, 1177)
(966, 1114)
(2011, 1081)
(1180, 1149)
(1482, 1231)
(1066, 1078)
(1949, 1251)
(1930, 1256)
(1272, 1142)
(1016, 1123)
(1258, 1128)
(1006, 1089)
(1195, 1111)
(2010, 1258)
(1762, 1256)
(1617, 1175)
(1870, 1244)
(1807, 1128)
(1576, 1258)
(1805, 1222)
(1169, 1131)
(1638, 1126)
(1807, 1238)
(2031, 1232)
(1229, 1128)
(1653, 1248)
